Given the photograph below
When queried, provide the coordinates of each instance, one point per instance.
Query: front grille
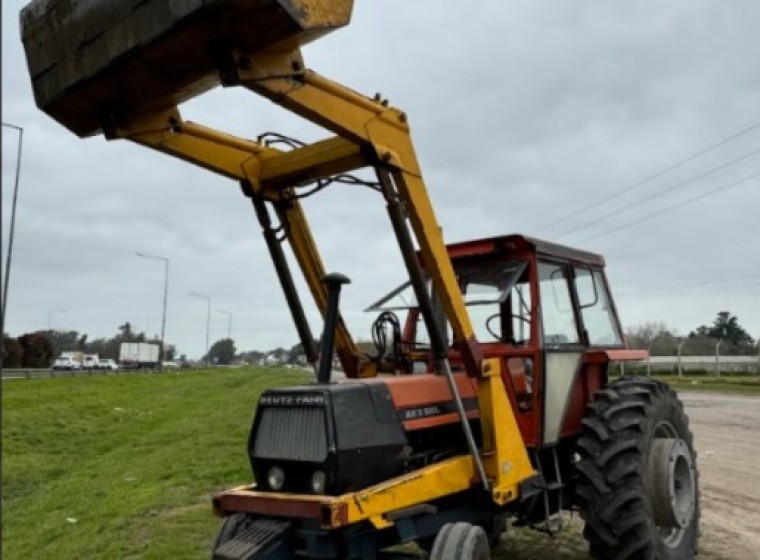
(291, 434)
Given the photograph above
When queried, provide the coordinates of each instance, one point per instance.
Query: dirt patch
(726, 429)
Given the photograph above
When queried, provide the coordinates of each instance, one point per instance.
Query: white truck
(138, 355)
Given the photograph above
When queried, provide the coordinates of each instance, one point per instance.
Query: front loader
(488, 401)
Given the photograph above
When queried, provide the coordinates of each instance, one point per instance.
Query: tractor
(488, 399)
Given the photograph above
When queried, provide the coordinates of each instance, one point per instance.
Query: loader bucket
(95, 61)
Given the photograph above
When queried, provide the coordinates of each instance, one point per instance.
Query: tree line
(658, 338)
(38, 349)
(661, 340)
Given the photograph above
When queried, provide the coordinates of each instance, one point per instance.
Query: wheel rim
(672, 484)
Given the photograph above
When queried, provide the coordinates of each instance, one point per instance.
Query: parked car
(91, 361)
(108, 365)
(66, 363)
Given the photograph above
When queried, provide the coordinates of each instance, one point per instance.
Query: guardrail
(31, 373)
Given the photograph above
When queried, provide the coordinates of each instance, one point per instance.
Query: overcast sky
(523, 112)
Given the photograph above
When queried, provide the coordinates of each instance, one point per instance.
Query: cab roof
(514, 243)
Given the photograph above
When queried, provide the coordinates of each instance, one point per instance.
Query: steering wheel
(489, 329)
(501, 339)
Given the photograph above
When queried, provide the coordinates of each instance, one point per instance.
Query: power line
(651, 177)
(749, 280)
(663, 192)
(690, 289)
(673, 207)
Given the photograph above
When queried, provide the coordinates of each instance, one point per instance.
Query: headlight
(318, 482)
(276, 478)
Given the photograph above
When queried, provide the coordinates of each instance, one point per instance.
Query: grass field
(733, 384)
(124, 466)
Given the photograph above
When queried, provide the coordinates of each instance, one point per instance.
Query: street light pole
(4, 285)
(229, 324)
(208, 320)
(50, 317)
(162, 352)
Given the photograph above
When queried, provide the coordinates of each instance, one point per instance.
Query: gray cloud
(522, 112)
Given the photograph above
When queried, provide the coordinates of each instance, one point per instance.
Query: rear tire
(461, 541)
(633, 431)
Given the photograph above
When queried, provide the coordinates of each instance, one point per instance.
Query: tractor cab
(543, 308)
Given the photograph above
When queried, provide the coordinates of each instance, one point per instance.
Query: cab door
(562, 347)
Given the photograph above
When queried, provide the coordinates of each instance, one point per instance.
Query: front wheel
(638, 487)
(460, 541)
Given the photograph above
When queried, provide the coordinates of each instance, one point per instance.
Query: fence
(684, 365)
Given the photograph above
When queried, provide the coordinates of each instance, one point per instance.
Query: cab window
(558, 317)
(596, 310)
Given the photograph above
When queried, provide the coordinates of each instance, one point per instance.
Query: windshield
(480, 284)
(486, 289)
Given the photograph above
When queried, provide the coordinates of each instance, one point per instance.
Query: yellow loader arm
(123, 67)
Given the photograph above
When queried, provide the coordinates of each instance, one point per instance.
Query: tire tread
(613, 467)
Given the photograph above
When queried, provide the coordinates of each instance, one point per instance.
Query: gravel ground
(726, 431)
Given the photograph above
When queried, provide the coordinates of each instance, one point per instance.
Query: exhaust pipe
(334, 283)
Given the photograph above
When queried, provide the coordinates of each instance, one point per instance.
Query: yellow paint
(505, 458)
(367, 122)
(374, 503)
(425, 485)
(315, 161)
(320, 13)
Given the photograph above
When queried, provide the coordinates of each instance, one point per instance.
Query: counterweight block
(96, 61)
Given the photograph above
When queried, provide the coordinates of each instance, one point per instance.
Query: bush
(13, 353)
(38, 352)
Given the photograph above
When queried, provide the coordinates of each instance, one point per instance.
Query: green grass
(124, 466)
(736, 385)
